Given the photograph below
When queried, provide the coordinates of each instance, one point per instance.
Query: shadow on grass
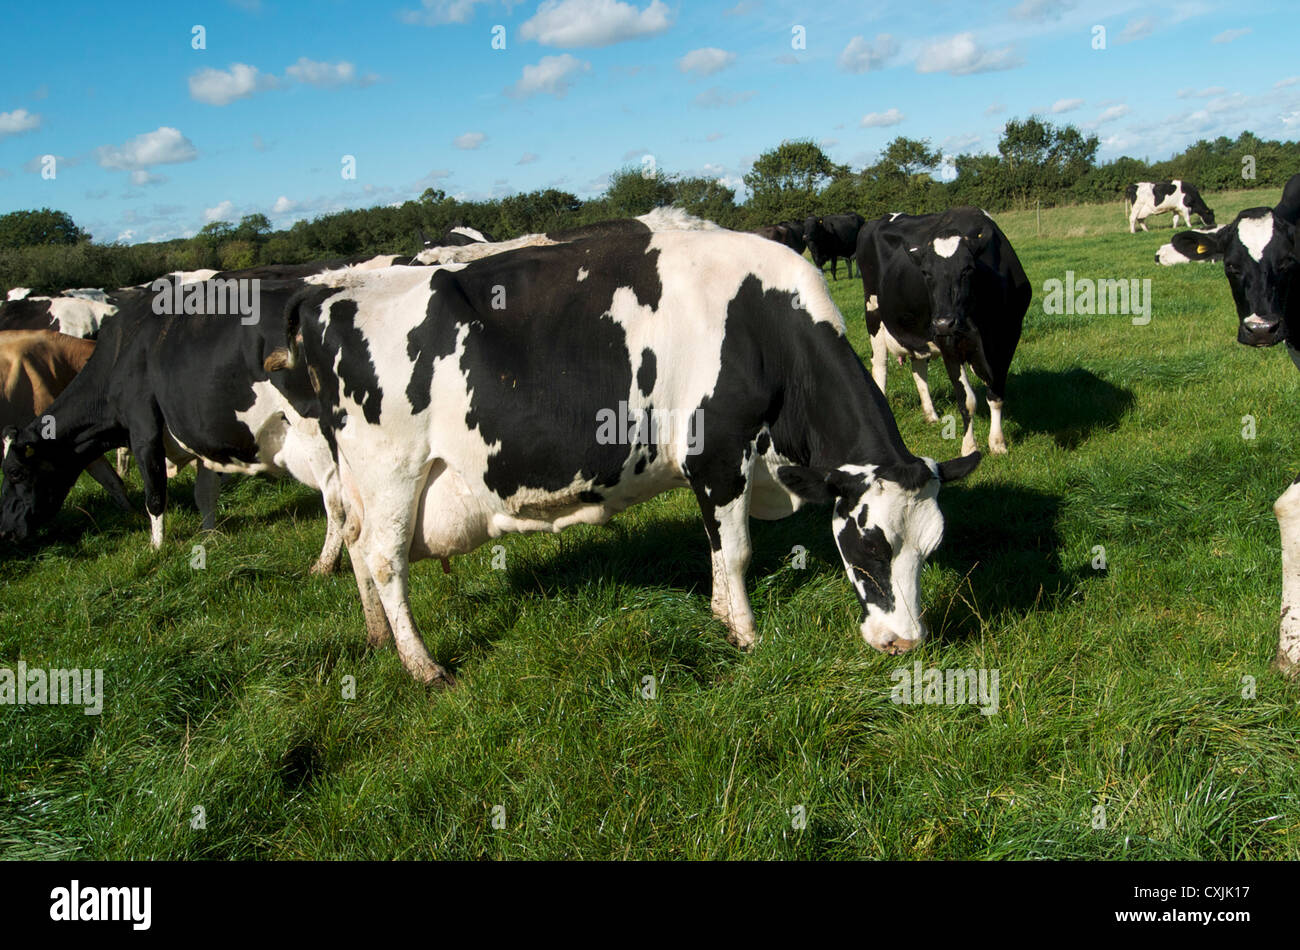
(1068, 406)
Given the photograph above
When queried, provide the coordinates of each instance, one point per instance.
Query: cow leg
(123, 462)
(728, 531)
(385, 545)
(879, 356)
(103, 473)
(1132, 221)
(207, 486)
(921, 376)
(1287, 509)
(147, 446)
(965, 395)
(997, 442)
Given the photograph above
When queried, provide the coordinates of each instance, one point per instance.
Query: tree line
(1036, 162)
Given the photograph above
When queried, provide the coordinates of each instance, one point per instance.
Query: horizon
(153, 138)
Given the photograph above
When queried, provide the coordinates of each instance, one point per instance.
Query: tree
(783, 182)
(910, 156)
(633, 191)
(29, 228)
(1042, 159)
(252, 227)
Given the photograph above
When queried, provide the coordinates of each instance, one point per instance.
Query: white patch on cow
(79, 317)
(375, 263)
(673, 218)
(155, 531)
(1255, 321)
(582, 273)
(86, 293)
(947, 246)
(472, 233)
(1255, 233)
(18, 293)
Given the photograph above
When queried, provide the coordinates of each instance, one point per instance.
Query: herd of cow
(441, 400)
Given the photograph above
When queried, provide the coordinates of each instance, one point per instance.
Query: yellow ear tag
(30, 452)
(1201, 249)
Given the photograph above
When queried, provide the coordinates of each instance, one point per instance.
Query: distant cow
(178, 387)
(621, 367)
(459, 236)
(1157, 197)
(786, 233)
(35, 366)
(832, 237)
(950, 284)
(1259, 259)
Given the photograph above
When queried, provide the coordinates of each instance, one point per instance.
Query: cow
(947, 284)
(831, 237)
(1259, 254)
(1156, 197)
(459, 236)
(35, 366)
(178, 386)
(69, 315)
(559, 384)
(784, 233)
(1186, 246)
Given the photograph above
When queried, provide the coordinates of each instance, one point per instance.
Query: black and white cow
(831, 237)
(1156, 197)
(948, 284)
(1259, 259)
(458, 236)
(178, 387)
(1190, 246)
(559, 384)
(79, 312)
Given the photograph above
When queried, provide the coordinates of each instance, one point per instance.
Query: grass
(1121, 687)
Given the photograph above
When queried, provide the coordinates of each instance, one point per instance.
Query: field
(1143, 687)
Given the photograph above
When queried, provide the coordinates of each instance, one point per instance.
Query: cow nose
(1257, 324)
(897, 645)
(945, 325)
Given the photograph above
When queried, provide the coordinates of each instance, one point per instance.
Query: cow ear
(10, 433)
(810, 484)
(958, 468)
(912, 475)
(1196, 246)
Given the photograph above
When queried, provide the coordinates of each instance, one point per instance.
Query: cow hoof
(439, 678)
(931, 417)
(745, 642)
(321, 569)
(997, 448)
(1286, 666)
(377, 641)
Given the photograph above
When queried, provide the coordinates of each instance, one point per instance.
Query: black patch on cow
(870, 556)
(601, 229)
(27, 314)
(356, 367)
(1161, 190)
(763, 444)
(543, 369)
(645, 376)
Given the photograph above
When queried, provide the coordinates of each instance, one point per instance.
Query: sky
(161, 117)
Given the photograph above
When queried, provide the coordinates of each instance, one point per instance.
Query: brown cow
(35, 366)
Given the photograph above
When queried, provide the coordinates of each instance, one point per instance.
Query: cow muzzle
(888, 640)
(1255, 330)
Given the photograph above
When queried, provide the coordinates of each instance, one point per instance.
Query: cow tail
(286, 357)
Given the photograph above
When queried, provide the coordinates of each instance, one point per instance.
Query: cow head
(1196, 205)
(886, 521)
(35, 483)
(1258, 251)
(947, 262)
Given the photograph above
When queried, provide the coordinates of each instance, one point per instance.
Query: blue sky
(153, 137)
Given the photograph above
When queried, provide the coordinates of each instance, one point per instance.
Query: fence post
(1038, 216)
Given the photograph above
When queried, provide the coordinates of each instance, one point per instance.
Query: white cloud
(163, 146)
(859, 56)
(526, 159)
(1065, 105)
(579, 23)
(1290, 119)
(552, 74)
(1227, 36)
(283, 205)
(954, 144)
(437, 12)
(327, 74)
(18, 121)
(1289, 81)
(142, 176)
(962, 55)
(470, 140)
(995, 108)
(706, 61)
(1111, 114)
(1206, 93)
(715, 98)
(879, 120)
(221, 212)
(220, 87)
(1137, 29)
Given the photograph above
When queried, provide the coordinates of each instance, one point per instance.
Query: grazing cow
(1259, 259)
(1157, 197)
(784, 233)
(178, 387)
(35, 366)
(831, 237)
(947, 284)
(559, 384)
